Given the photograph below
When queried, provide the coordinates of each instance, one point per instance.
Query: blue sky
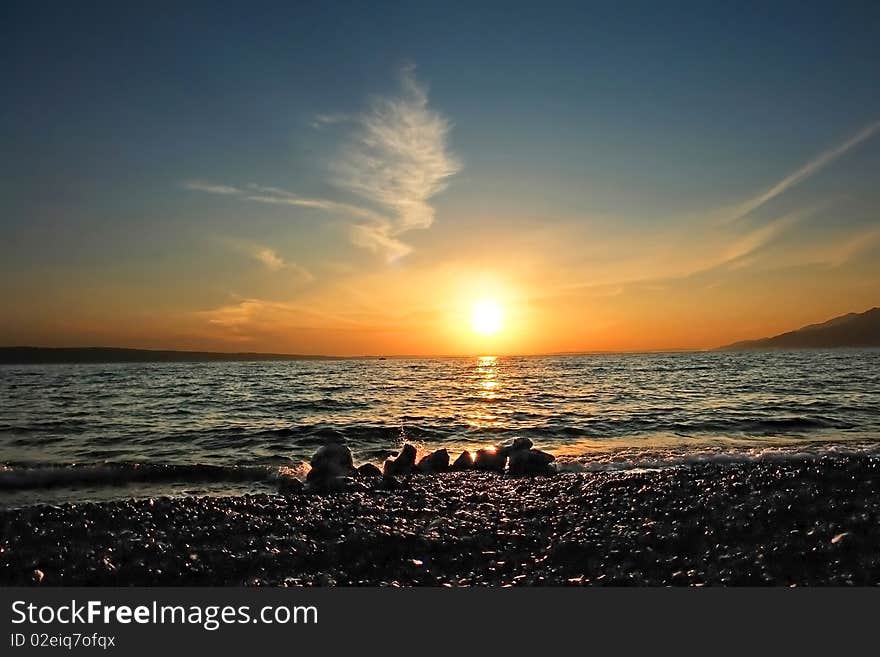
(563, 133)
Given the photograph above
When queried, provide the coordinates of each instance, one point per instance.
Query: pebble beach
(787, 522)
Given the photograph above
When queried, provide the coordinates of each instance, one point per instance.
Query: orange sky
(410, 310)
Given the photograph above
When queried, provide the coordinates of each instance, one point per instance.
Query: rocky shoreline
(808, 521)
(332, 469)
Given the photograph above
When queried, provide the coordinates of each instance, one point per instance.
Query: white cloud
(269, 258)
(321, 120)
(810, 168)
(379, 238)
(199, 186)
(398, 159)
(276, 196)
(274, 262)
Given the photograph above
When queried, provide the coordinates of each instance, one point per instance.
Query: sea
(91, 432)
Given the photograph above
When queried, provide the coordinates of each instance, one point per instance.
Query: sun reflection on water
(487, 387)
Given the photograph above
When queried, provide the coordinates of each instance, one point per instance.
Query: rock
(330, 435)
(437, 461)
(290, 485)
(389, 483)
(37, 576)
(369, 470)
(335, 485)
(464, 462)
(521, 443)
(404, 463)
(332, 460)
(491, 459)
(530, 462)
(516, 445)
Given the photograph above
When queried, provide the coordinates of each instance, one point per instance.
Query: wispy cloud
(398, 159)
(269, 258)
(743, 247)
(321, 120)
(686, 257)
(277, 196)
(853, 246)
(379, 238)
(246, 319)
(199, 186)
(750, 205)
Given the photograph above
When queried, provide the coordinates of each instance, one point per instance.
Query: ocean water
(74, 432)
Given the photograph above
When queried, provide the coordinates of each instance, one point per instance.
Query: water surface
(630, 410)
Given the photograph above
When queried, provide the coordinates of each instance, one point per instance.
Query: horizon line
(300, 356)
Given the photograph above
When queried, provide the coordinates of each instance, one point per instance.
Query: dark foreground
(807, 522)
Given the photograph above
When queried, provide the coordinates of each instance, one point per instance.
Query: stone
(389, 483)
(530, 462)
(490, 459)
(289, 485)
(403, 464)
(369, 470)
(334, 485)
(516, 445)
(521, 443)
(437, 461)
(464, 462)
(331, 466)
(332, 460)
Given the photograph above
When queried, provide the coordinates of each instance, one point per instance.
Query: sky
(355, 178)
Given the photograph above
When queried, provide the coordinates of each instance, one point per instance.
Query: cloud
(277, 196)
(398, 159)
(199, 186)
(850, 248)
(683, 257)
(321, 120)
(269, 258)
(379, 238)
(810, 168)
(743, 247)
(247, 319)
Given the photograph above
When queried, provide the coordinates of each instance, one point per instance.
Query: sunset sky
(357, 178)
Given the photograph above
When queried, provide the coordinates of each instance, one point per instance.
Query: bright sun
(486, 317)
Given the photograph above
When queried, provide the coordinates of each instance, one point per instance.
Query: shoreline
(814, 521)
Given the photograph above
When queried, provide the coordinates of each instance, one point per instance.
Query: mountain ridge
(849, 330)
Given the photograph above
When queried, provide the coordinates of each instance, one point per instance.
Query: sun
(487, 317)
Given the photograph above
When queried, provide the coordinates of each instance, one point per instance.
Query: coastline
(809, 521)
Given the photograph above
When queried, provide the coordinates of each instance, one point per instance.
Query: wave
(627, 460)
(44, 476)
(121, 474)
(534, 423)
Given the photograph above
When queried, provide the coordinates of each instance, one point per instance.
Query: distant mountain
(27, 355)
(852, 330)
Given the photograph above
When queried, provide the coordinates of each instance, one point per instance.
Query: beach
(667, 469)
(794, 521)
